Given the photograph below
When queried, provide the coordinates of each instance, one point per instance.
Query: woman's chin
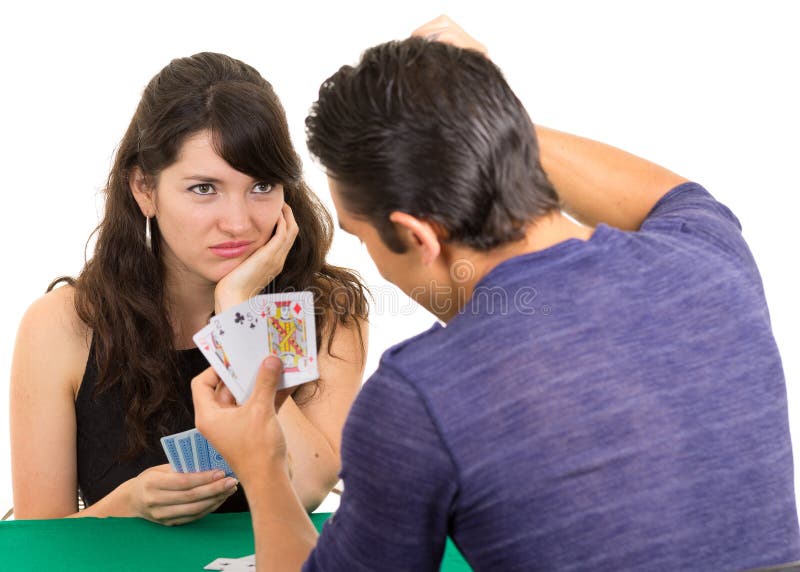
(222, 270)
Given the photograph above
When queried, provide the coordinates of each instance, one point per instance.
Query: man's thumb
(269, 376)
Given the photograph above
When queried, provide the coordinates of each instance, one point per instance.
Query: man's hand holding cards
(235, 343)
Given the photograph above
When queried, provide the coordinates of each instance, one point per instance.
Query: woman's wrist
(116, 503)
(224, 301)
(120, 500)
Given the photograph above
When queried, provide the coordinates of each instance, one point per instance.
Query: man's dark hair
(434, 131)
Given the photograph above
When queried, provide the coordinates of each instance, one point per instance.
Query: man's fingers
(203, 387)
(224, 396)
(267, 380)
(429, 32)
(445, 30)
(431, 27)
(206, 381)
(203, 393)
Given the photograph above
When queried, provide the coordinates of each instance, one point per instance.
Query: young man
(603, 397)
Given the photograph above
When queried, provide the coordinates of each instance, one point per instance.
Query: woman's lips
(230, 249)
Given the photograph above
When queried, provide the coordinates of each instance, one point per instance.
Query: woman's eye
(202, 189)
(262, 188)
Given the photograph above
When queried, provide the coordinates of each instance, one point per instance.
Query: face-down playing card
(208, 458)
(194, 453)
(171, 450)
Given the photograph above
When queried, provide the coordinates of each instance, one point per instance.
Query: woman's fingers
(291, 223)
(182, 513)
(201, 510)
(268, 261)
(166, 496)
(202, 490)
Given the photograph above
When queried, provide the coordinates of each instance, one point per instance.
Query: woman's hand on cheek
(260, 268)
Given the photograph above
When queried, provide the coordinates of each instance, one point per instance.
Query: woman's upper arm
(341, 371)
(49, 358)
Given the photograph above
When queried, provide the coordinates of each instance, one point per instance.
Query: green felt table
(133, 544)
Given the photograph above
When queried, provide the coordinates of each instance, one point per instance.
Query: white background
(709, 90)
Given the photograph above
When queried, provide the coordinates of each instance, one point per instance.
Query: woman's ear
(418, 234)
(143, 193)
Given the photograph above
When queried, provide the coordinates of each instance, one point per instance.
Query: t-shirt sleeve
(399, 484)
(690, 210)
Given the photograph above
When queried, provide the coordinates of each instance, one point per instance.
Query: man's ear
(420, 234)
(143, 192)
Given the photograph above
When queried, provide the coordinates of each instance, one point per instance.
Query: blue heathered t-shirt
(610, 404)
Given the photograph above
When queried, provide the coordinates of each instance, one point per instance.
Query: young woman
(205, 207)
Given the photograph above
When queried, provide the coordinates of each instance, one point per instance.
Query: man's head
(432, 131)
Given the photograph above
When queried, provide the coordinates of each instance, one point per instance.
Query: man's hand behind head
(443, 29)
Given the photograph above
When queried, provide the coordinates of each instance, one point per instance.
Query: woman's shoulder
(56, 309)
(51, 327)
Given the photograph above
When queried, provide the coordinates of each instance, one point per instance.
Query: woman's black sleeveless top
(101, 434)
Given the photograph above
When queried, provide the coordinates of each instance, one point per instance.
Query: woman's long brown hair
(121, 294)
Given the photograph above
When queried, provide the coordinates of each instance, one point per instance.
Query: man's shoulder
(415, 348)
(404, 369)
(691, 205)
(703, 226)
(398, 390)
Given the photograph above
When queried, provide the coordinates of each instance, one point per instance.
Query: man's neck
(468, 267)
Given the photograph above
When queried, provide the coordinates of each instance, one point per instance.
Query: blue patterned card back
(202, 452)
(171, 450)
(217, 461)
(186, 452)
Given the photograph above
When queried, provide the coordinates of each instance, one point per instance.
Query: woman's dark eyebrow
(202, 178)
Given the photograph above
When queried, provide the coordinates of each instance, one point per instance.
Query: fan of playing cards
(236, 341)
(190, 452)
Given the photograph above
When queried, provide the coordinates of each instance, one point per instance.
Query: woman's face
(211, 216)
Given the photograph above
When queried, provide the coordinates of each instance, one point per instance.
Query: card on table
(244, 564)
(237, 340)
